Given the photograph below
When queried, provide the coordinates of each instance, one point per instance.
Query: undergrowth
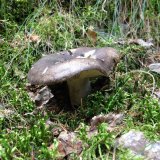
(61, 26)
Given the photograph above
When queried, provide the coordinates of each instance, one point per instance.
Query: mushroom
(75, 66)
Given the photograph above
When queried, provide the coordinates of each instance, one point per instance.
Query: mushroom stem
(78, 89)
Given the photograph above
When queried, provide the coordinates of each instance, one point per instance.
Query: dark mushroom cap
(80, 63)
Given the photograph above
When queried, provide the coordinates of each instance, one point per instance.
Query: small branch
(103, 5)
(114, 152)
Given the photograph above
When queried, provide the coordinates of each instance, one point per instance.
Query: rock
(133, 140)
(155, 67)
(138, 145)
(152, 151)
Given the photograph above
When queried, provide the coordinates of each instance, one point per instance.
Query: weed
(99, 144)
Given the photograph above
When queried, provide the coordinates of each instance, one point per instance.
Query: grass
(24, 135)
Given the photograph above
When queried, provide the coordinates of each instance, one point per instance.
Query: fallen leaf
(141, 42)
(111, 118)
(40, 96)
(32, 37)
(56, 128)
(92, 34)
(68, 143)
(17, 43)
(92, 132)
(4, 112)
(60, 152)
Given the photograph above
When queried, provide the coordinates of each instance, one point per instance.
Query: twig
(103, 5)
(114, 152)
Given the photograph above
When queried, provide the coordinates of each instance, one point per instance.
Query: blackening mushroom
(76, 67)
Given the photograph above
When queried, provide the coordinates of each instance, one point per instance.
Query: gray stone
(133, 140)
(155, 67)
(152, 151)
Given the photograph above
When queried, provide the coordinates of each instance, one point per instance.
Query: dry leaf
(56, 128)
(141, 42)
(92, 34)
(111, 118)
(32, 38)
(61, 154)
(17, 43)
(56, 131)
(68, 143)
(4, 112)
(92, 132)
(40, 96)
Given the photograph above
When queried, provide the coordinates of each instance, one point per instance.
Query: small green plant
(94, 104)
(98, 144)
(128, 155)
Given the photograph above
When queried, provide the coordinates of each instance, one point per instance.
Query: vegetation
(29, 29)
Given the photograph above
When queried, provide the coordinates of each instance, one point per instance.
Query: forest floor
(31, 132)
